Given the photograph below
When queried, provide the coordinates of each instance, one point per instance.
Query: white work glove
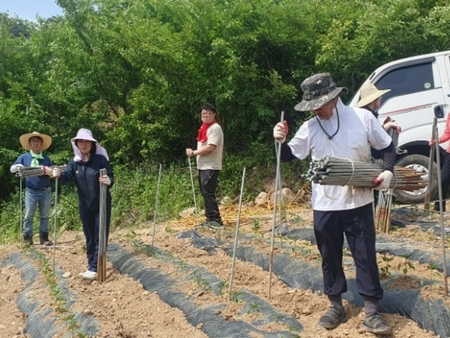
(393, 125)
(383, 180)
(15, 167)
(280, 131)
(56, 172)
(104, 180)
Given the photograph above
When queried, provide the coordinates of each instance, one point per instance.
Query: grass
(134, 195)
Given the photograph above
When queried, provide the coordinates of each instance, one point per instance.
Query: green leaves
(136, 72)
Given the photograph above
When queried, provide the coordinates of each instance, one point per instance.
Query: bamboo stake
(443, 236)
(55, 225)
(21, 212)
(274, 217)
(101, 262)
(156, 204)
(430, 167)
(236, 236)
(193, 189)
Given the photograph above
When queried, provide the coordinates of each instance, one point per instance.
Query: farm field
(177, 283)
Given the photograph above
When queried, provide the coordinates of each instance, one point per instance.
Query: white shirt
(213, 160)
(358, 130)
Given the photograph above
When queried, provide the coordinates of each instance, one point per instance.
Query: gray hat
(318, 90)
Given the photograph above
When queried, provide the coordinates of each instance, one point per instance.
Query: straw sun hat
(369, 93)
(25, 140)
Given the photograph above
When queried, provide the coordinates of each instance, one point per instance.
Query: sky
(28, 9)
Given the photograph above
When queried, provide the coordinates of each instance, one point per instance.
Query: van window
(407, 80)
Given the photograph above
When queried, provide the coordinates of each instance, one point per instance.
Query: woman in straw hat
(84, 169)
(371, 100)
(37, 191)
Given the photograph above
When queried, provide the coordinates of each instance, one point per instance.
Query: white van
(418, 84)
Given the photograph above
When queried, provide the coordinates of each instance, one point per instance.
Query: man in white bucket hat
(38, 192)
(345, 132)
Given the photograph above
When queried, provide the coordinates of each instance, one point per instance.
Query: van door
(416, 88)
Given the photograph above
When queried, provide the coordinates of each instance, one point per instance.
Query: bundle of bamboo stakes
(339, 171)
(25, 172)
(383, 211)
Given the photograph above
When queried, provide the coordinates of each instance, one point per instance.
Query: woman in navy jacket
(84, 169)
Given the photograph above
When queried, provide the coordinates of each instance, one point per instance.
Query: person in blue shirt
(84, 169)
(37, 188)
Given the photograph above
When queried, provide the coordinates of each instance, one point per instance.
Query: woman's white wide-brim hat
(84, 134)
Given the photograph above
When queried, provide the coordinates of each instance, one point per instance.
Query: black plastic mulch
(207, 317)
(41, 324)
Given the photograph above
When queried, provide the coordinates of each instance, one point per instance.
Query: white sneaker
(81, 274)
(89, 275)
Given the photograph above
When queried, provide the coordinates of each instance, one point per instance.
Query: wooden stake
(274, 216)
(236, 236)
(101, 262)
(156, 204)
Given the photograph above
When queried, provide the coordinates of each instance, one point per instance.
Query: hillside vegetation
(136, 72)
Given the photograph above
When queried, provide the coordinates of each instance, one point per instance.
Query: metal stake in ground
(236, 235)
(430, 166)
(21, 211)
(279, 192)
(55, 224)
(438, 112)
(193, 188)
(101, 262)
(156, 204)
(274, 216)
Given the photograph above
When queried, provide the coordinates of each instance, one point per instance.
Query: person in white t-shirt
(344, 132)
(209, 163)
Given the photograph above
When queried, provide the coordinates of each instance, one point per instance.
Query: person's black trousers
(91, 230)
(359, 229)
(207, 180)
(445, 177)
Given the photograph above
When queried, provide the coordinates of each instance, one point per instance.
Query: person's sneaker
(89, 275)
(28, 241)
(334, 316)
(81, 274)
(214, 225)
(43, 239)
(376, 324)
(201, 225)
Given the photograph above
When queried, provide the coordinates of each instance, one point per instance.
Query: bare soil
(123, 308)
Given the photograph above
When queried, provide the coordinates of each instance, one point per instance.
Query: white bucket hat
(369, 93)
(84, 134)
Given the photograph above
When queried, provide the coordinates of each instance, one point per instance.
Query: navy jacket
(86, 176)
(36, 182)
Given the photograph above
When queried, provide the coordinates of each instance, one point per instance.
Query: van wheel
(418, 163)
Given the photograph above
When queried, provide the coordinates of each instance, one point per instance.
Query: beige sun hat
(25, 140)
(369, 93)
